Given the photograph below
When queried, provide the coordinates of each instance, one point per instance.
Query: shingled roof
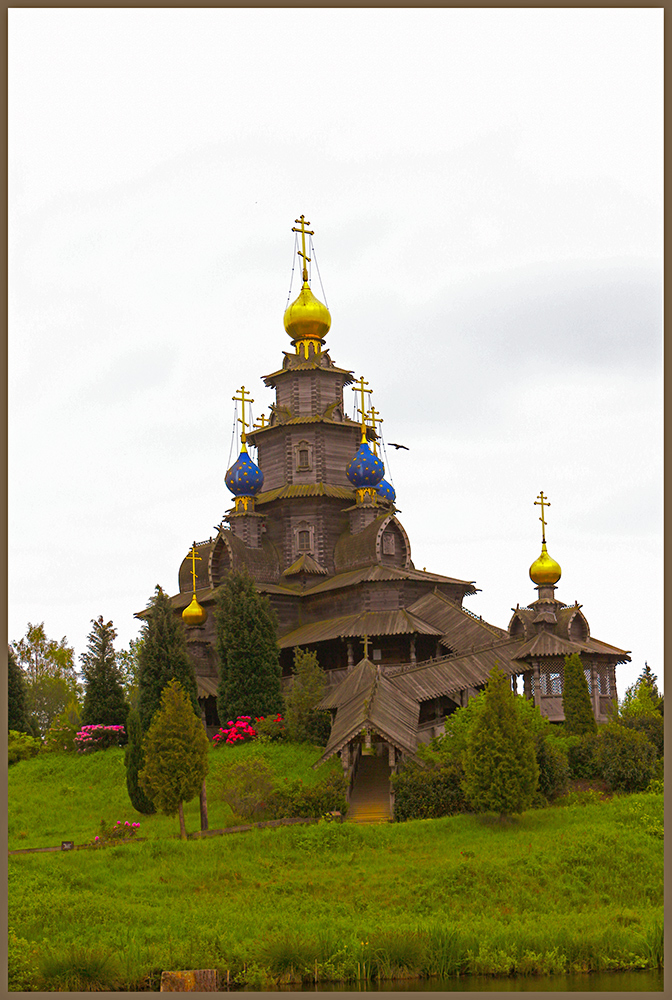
(461, 630)
(399, 622)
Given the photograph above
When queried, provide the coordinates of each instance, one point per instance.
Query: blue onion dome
(244, 478)
(386, 491)
(366, 469)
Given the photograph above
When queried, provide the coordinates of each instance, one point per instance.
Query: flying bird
(393, 445)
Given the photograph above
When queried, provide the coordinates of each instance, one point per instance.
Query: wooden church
(315, 525)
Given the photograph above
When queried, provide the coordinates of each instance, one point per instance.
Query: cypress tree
(134, 760)
(500, 766)
(163, 657)
(176, 754)
(249, 681)
(576, 704)
(17, 705)
(104, 702)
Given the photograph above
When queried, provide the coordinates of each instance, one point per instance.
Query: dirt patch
(591, 785)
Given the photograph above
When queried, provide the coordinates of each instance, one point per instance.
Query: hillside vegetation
(560, 889)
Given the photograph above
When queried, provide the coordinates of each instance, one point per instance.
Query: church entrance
(370, 794)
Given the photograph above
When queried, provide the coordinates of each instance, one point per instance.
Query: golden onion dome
(307, 318)
(194, 614)
(545, 570)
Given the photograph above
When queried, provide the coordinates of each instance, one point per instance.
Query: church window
(304, 540)
(377, 654)
(304, 537)
(303, 456)
(389, 547)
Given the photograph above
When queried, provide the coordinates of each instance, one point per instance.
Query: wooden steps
(370, 796)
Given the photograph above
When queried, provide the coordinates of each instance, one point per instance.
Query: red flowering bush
(91, 738)
(243, 730)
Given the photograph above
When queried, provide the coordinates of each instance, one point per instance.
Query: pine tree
(249, 681)
(17, 704)
(104, 702)
(134, 759)
(500, 766)
(163, 657)
(304, 722)
(576, 703)
(176, 754)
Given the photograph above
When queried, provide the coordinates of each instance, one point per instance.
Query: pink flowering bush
(90, 738)
(243, 730)
(114, 834)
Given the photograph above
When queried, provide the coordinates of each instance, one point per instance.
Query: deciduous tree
(249, 682)
(49, 672)
(176, 754)
(576, 703)
(104, 702)
(500, 766)
(17, 698)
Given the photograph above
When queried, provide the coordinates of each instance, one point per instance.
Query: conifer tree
(163, 657)
(176, 754)
(249, 681)
(500, 766)
(576, 703)
(17, 707)
(104, 702)
(134, 759)
(304, 722)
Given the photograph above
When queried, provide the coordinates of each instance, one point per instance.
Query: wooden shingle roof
(398, 622)
(460, 629)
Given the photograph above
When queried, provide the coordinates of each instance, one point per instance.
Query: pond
(642, 981)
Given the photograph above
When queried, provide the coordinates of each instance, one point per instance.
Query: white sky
(485, 187)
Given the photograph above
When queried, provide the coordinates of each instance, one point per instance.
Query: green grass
(60, 796)
(560, 889)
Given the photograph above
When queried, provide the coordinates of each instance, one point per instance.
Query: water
(643, 981)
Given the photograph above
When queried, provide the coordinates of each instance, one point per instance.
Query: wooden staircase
(370, 796)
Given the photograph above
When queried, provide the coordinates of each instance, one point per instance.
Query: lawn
(559, 889)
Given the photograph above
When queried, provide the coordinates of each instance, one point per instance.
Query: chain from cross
(192, 555)
(373, 413)
(360, 389)
(244, 422)
(541, 502)
(302, 252)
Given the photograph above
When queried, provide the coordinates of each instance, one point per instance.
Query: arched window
(304, 538)
(303, 456)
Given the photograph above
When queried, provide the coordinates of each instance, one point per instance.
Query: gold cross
(365, 639)
(302, 253)
(360, 388)
(262, 418)
(244, 422)
(192, 555)
(374, 412)
(540, 502)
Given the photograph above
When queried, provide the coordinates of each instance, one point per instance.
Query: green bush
(271, 728)
(296, 799)
(20, 746)
(248, 790)
(582, 757)
(626, 758)
(61, 737)
(428, 792)
(553, 769)
(652, 725)
(21, 965)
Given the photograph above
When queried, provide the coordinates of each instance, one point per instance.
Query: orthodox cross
(302, 253)
(360, 388)
(373, 412)
(540, 503)
(244, 422)
(192, 555)
(262, 418)
(365, 640)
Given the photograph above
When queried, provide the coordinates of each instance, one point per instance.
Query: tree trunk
(183, 829)
(204, 808)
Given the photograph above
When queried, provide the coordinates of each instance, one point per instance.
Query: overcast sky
(485, 187)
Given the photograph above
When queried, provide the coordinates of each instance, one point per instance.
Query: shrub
(582, 757)
(21, 965)
(271, 728)
(249, 790)
(651, 724)
(328, 795)
(240, 731)
(304, 722)
(21, 746)
(553, 769)
(91, 738)
(61, 736)
(626, 758)
(114, 834)
(428, 792)
(576, 703)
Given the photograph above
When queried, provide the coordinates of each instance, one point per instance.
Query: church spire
(194, 614)
(307, 320)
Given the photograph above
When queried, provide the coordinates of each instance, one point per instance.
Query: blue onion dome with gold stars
(244, 478)
(366, 469)
(386, 491)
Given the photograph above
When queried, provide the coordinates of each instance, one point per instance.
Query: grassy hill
(560, 889)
